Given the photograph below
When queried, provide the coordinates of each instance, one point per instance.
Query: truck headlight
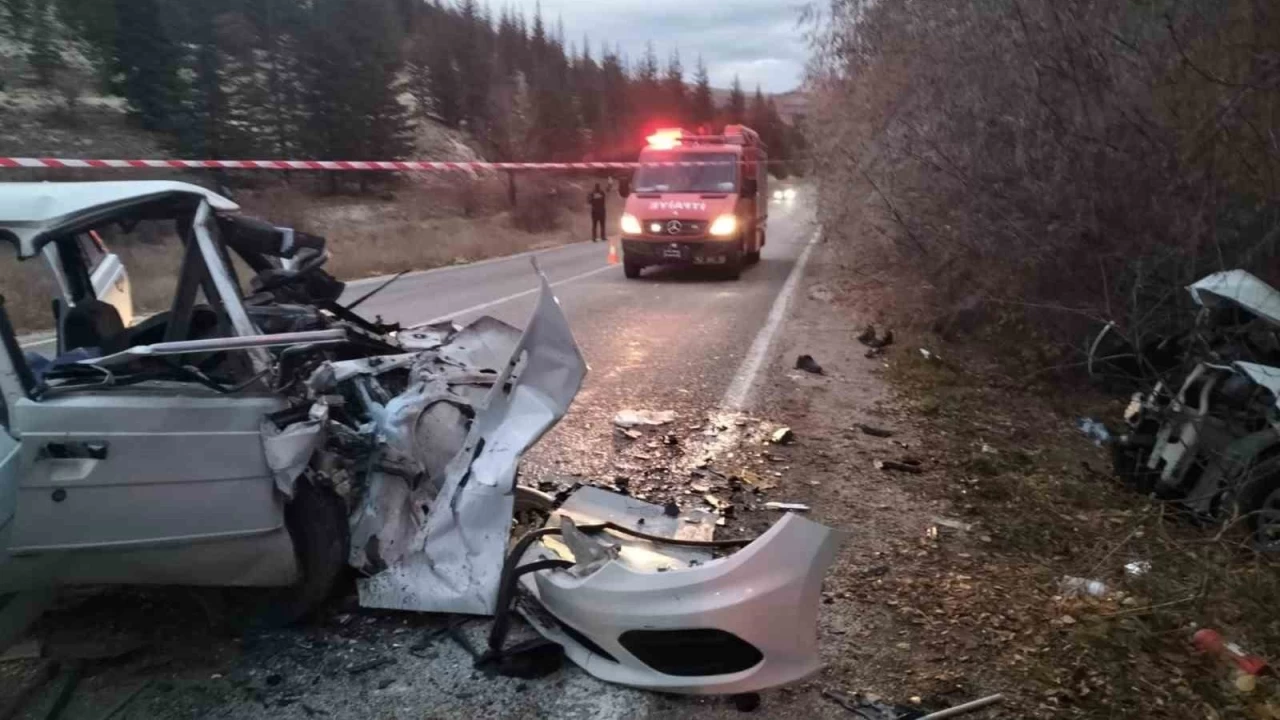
(724, 225)
(630, 225)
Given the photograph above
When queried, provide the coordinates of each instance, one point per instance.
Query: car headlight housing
(724, 226)
(790, 193)
(630, 225)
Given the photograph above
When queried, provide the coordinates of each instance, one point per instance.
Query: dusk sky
(758, 40)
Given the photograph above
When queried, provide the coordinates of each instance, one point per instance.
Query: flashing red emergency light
(665, 138)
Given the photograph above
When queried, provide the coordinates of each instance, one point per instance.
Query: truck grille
(683, 228)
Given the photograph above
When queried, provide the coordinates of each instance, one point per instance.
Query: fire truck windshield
(719, 175)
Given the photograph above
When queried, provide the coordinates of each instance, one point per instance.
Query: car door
(159, 467)
(108, 274)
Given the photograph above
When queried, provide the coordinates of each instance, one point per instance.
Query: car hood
(1240, 289)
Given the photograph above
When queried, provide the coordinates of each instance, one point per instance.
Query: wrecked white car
(256, 433)
(1211, 441)
(259, 433)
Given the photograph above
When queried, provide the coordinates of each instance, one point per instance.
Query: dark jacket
(596, 198)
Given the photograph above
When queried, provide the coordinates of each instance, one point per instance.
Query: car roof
(29, 210)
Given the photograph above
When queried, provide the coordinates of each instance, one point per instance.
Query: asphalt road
(672, 340)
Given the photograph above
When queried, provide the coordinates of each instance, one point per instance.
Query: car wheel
(631, 269)
(317, 522)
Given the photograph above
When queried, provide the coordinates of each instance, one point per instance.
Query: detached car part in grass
(1211, 439)
(258, 433)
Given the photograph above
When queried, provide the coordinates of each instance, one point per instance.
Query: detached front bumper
(683, 251)
(675, 619)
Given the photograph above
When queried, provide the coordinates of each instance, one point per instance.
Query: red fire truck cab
(694, 201)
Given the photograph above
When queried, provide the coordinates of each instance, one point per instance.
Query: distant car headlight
(724, 225)
(777, 194)
(790, 193)
(655, 228)
(630, 225)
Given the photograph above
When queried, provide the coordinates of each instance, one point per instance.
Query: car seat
(93, 323)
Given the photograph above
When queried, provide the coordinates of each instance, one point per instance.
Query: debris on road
(964, 708)
(928, 355)
(951, 524)
(629, 434)
(643, 418)
(809, 365)
(782, 436)
(756, 480)
(869, 338)
(786, 507)
(869, 708)
(715, 502)
(875, 431)
(905, 466)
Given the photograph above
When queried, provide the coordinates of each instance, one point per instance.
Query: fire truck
(694, 201)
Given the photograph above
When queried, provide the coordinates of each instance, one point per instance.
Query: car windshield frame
(719, 176)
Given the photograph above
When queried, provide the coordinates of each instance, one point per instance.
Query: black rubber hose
(506, 592)
(666, 540)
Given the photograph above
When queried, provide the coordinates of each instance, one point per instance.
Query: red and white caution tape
(359, 165)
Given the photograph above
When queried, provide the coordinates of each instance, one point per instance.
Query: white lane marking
(509, 298)
(489, 261)
(735, 398)
(34, 343)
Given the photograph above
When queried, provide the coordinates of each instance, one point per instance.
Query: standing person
(596, 199)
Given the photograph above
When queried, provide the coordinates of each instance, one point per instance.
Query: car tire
(631, 269)
(317, 521)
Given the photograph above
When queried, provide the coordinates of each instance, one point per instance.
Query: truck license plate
(671, 253)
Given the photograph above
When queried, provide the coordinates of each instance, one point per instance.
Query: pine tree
(758, 115)
(617, 120)
(472, 50)
(43, 53)
(737, 109)
(676, 104)
(146, 63)
(586, 81)
(702, 108)
(352, 64)
(18, 15)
